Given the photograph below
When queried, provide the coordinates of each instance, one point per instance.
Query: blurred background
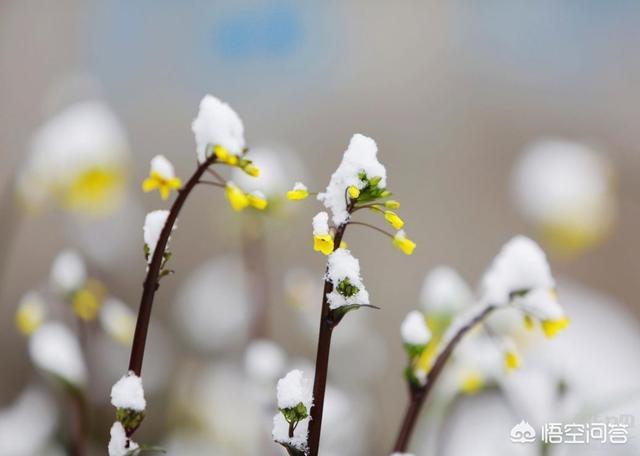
(493, 119)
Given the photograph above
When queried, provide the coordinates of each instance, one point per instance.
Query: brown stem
(322, 359)
(79, 424)
(151, 282)
(418, 394)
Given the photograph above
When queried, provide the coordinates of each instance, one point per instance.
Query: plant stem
(79, 424)
(322, 358)
(151, 282)
(418, 394)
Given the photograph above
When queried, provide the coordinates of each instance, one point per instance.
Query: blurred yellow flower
(471, 382)
(258, 200)
(31, 313)
(299, 192)
(237, 198)
(552, 327)
(403, 243)
(394, 220)
(511, 360)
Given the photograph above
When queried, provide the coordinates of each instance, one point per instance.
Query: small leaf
(336, 315)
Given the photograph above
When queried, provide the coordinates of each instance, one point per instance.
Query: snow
(153, 225)
(414, 329)
(557, 181)
(119, 444)
(520, 265)
(55, 349)
(300, 186)
(320, 224)
(342, 265)
(293, 389)
(128, 393)
(68, 272)
(359, 157)
(264, 360)
(280, 432)
(163, 167)
(541, 304)
(444, 291)
(217, 124)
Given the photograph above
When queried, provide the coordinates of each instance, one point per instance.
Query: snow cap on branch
(119, 444)
(360, 157)
(521, 266)
(414, 329)
(217, 124)
(128, 393)
(293, 389)
(153, 224)
(343, 271)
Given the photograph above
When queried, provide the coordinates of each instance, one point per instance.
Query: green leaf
(295, 414)
(336, 315)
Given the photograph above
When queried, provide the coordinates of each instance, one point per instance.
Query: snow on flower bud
(31, 313)
(56, 350)
(257, 199)
(294, 402)
(542, 305)
(414, 330)
(359, 168)
(322, 239)
(217, 126)
(237, 198)
(521, 266)
(153, 224)
(128, 393)
(292, 389)
(343, 271)
(119, 444)
(406, 245)
(162, 177)
(68, 272)
(299, 192)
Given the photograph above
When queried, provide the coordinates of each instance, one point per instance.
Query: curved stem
(373, 227)
(418, 394)
(151, 282)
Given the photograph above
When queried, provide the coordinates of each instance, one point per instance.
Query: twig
(418, 394)
(151, 282)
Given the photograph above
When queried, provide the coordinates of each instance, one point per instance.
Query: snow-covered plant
(519, 277)
(359, 182)
(219, 135)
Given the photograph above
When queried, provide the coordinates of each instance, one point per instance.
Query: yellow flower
(354, 192)
(164, 186)
(236, 197)
(299, 192)
(403, 243)
(394, 220)
(95, 191)
(252, 170)
(553, 327)
(323, 243)
(224, 156)
(511, 361)
(161, 177)
(343, 245)
(471, 382)
(257, 200)
(528, 322)
(85, 304)
(31, 313)
(392, 204)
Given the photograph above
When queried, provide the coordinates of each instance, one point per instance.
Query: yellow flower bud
(471, 382)
(511, 361)
(406, 245)
(252, 170)
(85, 304)
(237, 199)
(392, 204)
(553, 327)
(299, 192)
(394, 220)
(354, 192)
(323, 243)
(257, 200)
(31, 313)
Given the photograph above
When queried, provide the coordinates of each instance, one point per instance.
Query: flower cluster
(359, 182)
(518, 277)
(127, 395)
(294, 402)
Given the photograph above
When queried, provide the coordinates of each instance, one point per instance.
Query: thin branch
(215, 184)
(215, 174)
(418, 394)
(322, 356)
(373, 227)
(151, 282)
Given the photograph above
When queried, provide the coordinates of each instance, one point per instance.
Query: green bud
(130, 419)
(374, 181)
(347, 289)
(295, 414)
